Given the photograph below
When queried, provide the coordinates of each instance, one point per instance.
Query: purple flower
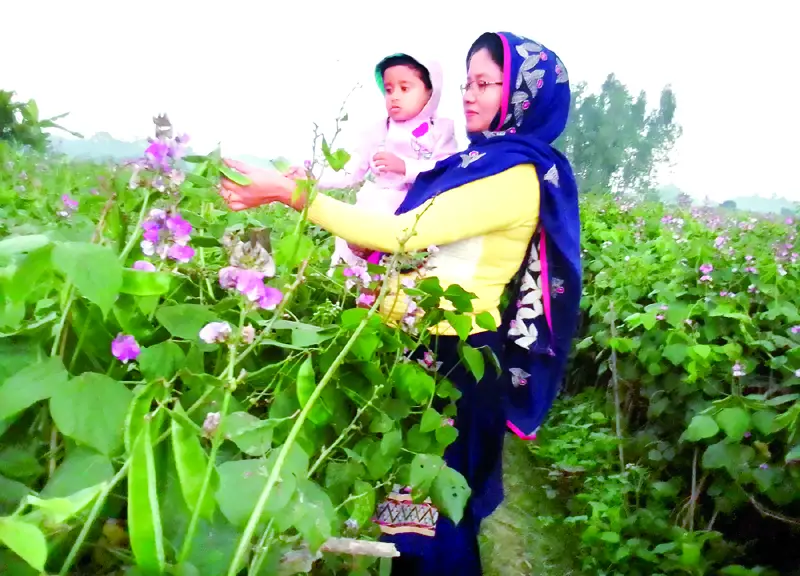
(250, 283)
(764, 466)
(659, 316)
(738, 370)
(144, 266)
(365, 299)
(270, 298)
(125, 348)
(797, 373)
(706, 268)
(166, 235)
(705, 278)
(215, 332)
(157, 155)
(795, 330)
(181, 253)
(227, 277)
(179, 228)
(152, 230)
(68, 202)
(428, 361)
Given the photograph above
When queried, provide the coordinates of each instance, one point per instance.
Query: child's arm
(445, 145)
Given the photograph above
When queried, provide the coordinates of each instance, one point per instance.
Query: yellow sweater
(482, 230)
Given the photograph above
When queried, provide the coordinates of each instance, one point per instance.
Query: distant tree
(20, 123)
(612, 139)
(729, 204)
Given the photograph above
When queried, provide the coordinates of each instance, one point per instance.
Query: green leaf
(793, 455)
(431, 420)
(292, 249)
(21, 244)
(29, 272)
(459, 298)
(726, 455)
(144, 514)
(473, 358)
(191, 463)
(82, 468)
(58, 510)
(162, 360)
(252, 435)
(763, 421)
(93, 269)
(486, 321)
(414, 381)
(240, 485)
(313, 513)
(702, 426)
(675, 353)
(143, 283)
(446, 435)
(450, 493)
(30, 385)
(362, 506)
(392, 443)
(306, 384)
(462, 324)
(734, 422)
(352, 317)
(701, 350)
(25, 540)
(185, 320)
(91, 410)
(424, 469)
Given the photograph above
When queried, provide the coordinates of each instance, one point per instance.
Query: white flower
(215, 332)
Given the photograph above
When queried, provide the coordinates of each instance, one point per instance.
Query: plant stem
(136, 231)
(615, 382)
(216, 442)
(210, 467)
(245, 542)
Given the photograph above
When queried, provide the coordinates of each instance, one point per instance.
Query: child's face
(406, 94)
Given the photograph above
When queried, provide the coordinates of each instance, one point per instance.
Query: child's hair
(403, 60)
(492, 43)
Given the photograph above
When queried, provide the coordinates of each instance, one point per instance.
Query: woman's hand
(388, 162)
(266, 186)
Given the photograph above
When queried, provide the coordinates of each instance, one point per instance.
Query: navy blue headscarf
(540, 322)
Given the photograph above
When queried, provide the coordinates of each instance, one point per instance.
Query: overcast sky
(255, 75)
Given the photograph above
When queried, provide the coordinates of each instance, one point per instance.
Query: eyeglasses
(480, 84)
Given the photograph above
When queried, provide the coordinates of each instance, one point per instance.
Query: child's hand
(388, 162)
(296, 173)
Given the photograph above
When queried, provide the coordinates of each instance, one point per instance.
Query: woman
(503, 212)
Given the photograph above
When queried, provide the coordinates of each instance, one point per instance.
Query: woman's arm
(492, 203)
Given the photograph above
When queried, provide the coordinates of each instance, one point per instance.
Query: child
(411, 140)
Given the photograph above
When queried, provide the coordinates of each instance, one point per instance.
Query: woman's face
(483, 92)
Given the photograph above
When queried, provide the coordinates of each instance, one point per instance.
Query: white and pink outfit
(419, 142)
